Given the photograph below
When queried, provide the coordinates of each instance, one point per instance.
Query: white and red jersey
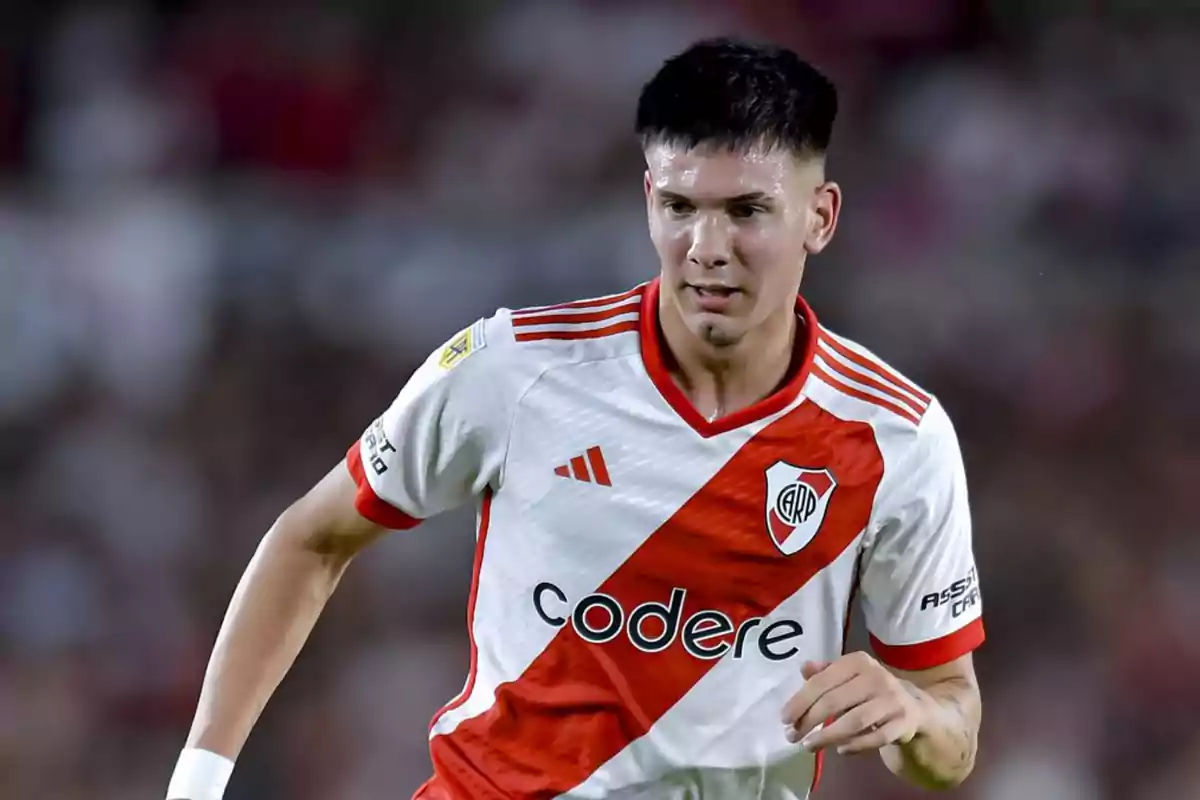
(647, 583)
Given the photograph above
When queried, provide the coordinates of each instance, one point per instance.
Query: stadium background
(228, 235)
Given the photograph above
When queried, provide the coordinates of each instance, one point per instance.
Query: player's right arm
(442, 442)
(281, 594)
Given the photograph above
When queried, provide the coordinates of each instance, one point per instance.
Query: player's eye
(678, 208)
(745, 211)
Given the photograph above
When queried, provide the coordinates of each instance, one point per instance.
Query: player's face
(732, 230)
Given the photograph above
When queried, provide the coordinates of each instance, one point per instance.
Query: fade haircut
(735, 95)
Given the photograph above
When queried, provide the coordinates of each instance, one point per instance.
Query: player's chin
(717, 330)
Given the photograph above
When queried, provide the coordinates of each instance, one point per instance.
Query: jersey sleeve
(443, 440)
(920, 589)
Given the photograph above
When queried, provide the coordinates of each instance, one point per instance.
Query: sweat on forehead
(759, 169)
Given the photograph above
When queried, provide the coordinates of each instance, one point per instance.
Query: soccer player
(681, 488)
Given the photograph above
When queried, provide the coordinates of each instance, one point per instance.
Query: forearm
(276, 604)
(942, 753)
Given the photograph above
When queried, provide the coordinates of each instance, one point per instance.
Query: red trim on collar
(652, 357)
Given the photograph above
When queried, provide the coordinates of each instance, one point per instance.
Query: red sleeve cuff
(371, 505)
(934, 653)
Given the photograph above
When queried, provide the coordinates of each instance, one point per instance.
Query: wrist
(199, 775)
(926, 712)
(934, 756)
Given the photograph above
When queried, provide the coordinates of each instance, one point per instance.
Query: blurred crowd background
(229, 231)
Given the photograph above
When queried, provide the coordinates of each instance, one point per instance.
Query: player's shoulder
(503, 354)
(576, 331)
(513, 347)
(863, 385)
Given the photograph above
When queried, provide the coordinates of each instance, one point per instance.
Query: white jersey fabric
(647, 583)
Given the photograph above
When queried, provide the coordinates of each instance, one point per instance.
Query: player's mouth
(713, 297)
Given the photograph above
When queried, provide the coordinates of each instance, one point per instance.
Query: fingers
(814, 688)
(870, 716)
(833, 703)
(862, 706)
(810, 668)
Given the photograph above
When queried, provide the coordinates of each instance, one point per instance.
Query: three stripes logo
(589, 468)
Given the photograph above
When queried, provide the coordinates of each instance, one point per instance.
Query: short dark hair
(734, 95)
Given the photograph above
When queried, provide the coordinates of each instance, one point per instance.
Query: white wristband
(199, 775)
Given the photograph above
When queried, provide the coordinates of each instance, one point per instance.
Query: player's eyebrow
(748, 197)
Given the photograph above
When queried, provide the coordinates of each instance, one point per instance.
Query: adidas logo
(577, 469)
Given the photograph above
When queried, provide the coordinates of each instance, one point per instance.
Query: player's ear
(648, 187)
(823, 213)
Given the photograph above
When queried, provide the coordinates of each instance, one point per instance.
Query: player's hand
(869, 707)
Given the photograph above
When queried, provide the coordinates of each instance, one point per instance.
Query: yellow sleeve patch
(465, 342)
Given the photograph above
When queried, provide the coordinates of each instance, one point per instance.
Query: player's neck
(721, 381)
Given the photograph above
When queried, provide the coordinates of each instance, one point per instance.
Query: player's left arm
(924, 723)
(916, 698)
(942, 751)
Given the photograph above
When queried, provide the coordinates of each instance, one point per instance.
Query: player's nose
(712, 242)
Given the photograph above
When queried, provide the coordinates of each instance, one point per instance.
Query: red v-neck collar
(652, 357)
